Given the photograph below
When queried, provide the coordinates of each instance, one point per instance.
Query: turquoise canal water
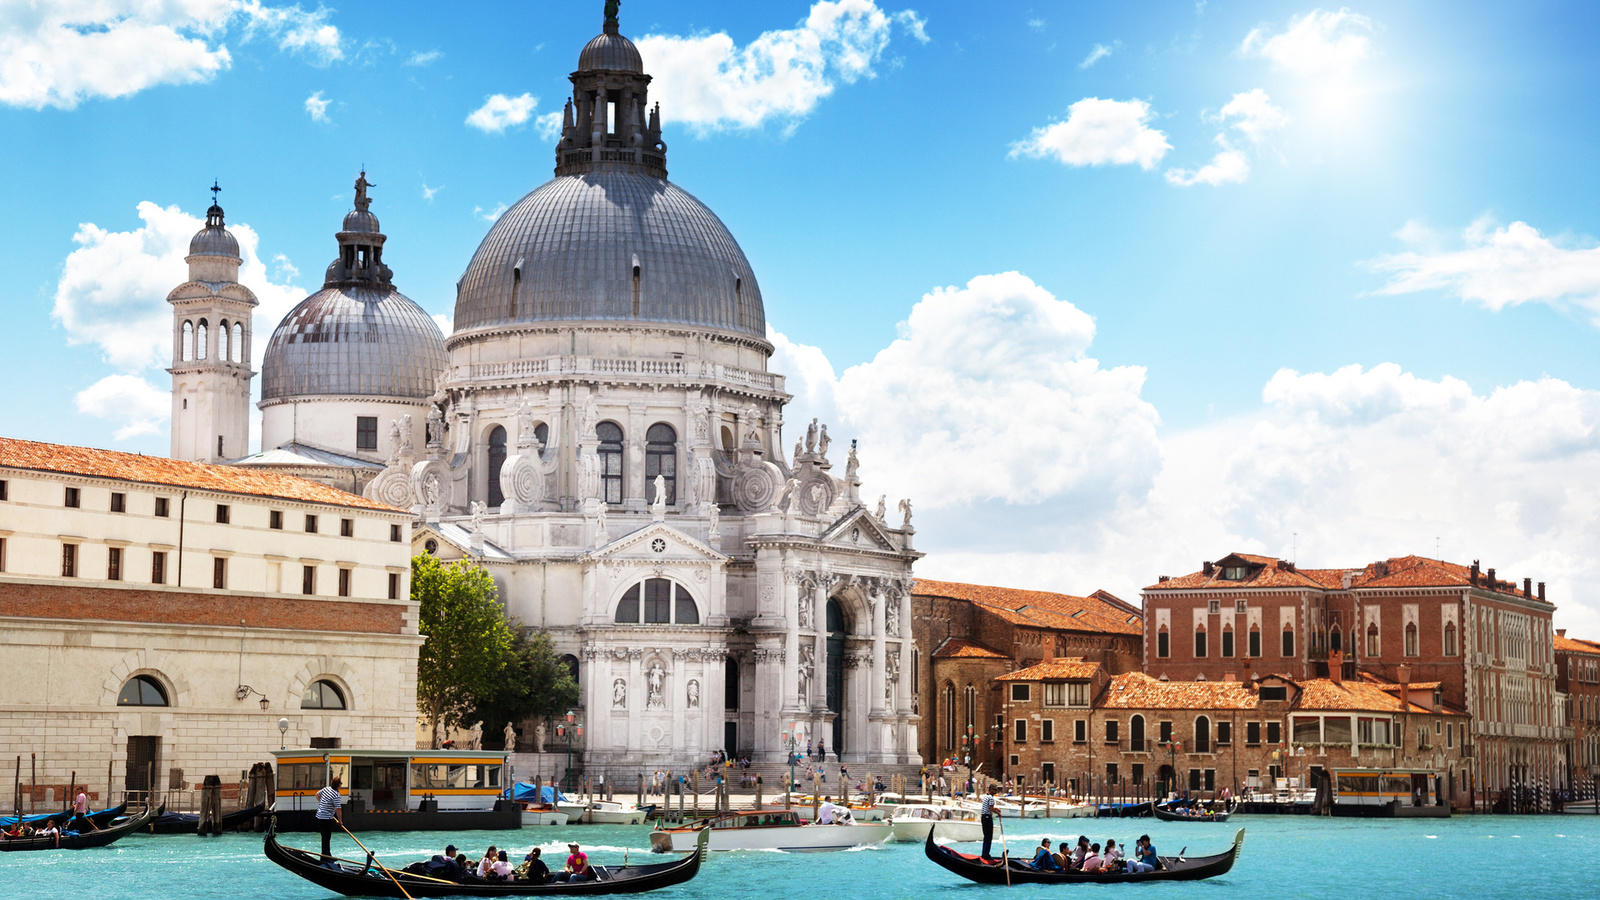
(1548, 857)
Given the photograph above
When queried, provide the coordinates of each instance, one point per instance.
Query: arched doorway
(1164, 781)
(837, 628)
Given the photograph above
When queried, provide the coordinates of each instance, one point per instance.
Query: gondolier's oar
(380, 865)
(1005, 856)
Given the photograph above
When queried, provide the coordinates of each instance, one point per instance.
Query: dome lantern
(605, 125)
(214, 239)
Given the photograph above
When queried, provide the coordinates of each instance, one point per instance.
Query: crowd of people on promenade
(496, 867)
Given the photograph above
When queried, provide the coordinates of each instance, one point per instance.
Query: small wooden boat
(83, 840)
(366, 879)
(542, 814)
(912, 822)
(1178, 868)
(1201, 814)
(613, 812)
(766, 829)
(100, 819)
(189, 823)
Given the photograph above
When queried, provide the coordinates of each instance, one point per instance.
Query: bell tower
(211, 317)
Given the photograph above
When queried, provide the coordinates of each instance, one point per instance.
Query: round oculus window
(658, 545)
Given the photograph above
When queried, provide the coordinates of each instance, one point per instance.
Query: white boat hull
(543, 817)
(916, 830)
(774, 837)
(613, 814)
(577, 813)
(871, 814)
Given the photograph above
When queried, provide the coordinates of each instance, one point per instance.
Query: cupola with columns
(606, 124)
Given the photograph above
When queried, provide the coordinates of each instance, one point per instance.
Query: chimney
(1404, 674)
(1161, 578)
(1527, 588)
(1561, 632)
(1474, 573)
(1541, 592)
(1206, 568)
(1493, 584)
(1336, 666)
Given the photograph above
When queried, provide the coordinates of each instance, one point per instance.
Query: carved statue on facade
(479, 508)
(435, 427)
(791, 490)
(807, 668)
(691, 481)
(714, 528)
(525, 432)
(619, 694)
(655, 680)
(811, 437)
(658, 503)
(823, 442)
(883, 507)
(394, 441)
(405, 436)
(806, 589)
(891, 616)
(431, 490)
(905, 510)
(539, 731)
(601, 534)
(511, 737)
(694, 694)
(588, 419)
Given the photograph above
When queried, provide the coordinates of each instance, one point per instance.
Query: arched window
(222, 341)
(1373, 647)
(497, 460)
(541, 433)
(1288, 641)
(1202, 735)
(1227, 640)
(610, 435)
(237, 344)
(1335, 640)
(1200, 642)
(516, 290)
(1411, 639)
(1163, 643)
(971, 697)
(1136, 734)
(188, 340)
(571, 662)
(1255, 640)
(200, 341)
(322, 695)
(949, 716)
(661, 458)
(664, 602)
(142, 690)
(1450, 646)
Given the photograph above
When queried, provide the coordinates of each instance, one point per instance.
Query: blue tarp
(524, 792)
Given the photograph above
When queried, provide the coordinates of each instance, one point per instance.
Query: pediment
(859, 530)
(643, 546)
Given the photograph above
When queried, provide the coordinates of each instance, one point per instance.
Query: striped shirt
(988, 805)
(328, 801)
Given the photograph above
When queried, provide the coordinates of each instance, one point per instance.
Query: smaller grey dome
(361, 221)
(214, 239)
(354, 340)
(610, 51)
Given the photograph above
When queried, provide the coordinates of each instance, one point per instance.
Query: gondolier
(328, 801)
(986, 820)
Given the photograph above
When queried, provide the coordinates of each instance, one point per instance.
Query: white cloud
(1314, 43)
(549, 125)
(428, 192)
(1036, 24)
(1229, 166)
(317, 107)
(1499, 266)
(1100, 51)
(445, 321)
(134, 404)
(1253, 114)
(1250, 114)
(113, 289)
(1099, 132)
(500, 112)
(422, 59)
(490, 215)
(709, 83)
(61, 52)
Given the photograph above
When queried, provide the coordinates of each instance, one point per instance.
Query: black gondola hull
(189, 823)
(353, 880)
(973, 868)
(84, 840)
(1166, 815)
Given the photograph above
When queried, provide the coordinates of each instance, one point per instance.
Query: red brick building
(1578, 677)
(1487, 643)
(966, 634)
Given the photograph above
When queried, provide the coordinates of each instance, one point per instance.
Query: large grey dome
(568, 250)
(354, 340)
(214, 239)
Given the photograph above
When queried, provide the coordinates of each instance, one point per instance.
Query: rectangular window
(1055, 693)
(308, 579)
(347, 528)
(69, 560)
(114, 564)
(219, 572)
(1080, 731)
(1137, 773)
(119, 501)
(222, 513)
(1020, 731)
(394, 533)
(161, 508)
(1194, 779)
(1214, 606)
(394, 585)
(366, 432)
(1252, 734)
(1047, 772)
(2, 554)
(1111, 731)
(72, 498)
(1450, 737)
(1047, 730)
(1019, 693)
(657, 601)
(1255, 643)
(1166, 732)
(1078, 693)
(1288, 642)
(1275, 693)
(1274, 732)
(311, 524)
(344, 582)
(1163, 645)
(1211, 779)
(5, 489)
(1199, 645)
(275, 520)
(1111, 773)
(158, 567)
(1227, 643)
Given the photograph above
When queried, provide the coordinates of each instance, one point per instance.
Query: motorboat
(779, 829)
(913, 821)
(542, 814)
(1007, 809)
(614, 812)
(861, 812)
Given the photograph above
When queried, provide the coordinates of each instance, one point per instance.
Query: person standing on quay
(986, 819)
(328, 802)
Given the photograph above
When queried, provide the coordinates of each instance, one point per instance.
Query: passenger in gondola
(533, 870)
(1112, 856)
(1044, 860)
(577, 868)
(49, 831)
(1093, 863)
(500, 869)
(489, 858)
(1144, 856)
(1081, 851)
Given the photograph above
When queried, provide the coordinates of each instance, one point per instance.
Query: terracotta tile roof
(1264, 572)
(1565, 644)
(1039, 608)
(956, 648)
(1069, 667)
(1136, 690)
(1399, 571)
(1358, 696)
(40, 457)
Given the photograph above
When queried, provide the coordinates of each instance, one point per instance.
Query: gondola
(83, 840)
(1172, 868)
(189, 823)
(1167, 815)
(366, 879)
(100, 819)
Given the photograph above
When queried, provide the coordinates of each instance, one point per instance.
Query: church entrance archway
(837, 628)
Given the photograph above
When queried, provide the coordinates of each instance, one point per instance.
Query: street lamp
(1172, 762)
(565, 730)
(283, 734)
(245, 690)
(969, 749)
(791, 743)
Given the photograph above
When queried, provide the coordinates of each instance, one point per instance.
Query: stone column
(633, 489)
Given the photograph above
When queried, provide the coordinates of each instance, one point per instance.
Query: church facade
(601, 432)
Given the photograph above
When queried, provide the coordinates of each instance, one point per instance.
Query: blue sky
(1213, 212)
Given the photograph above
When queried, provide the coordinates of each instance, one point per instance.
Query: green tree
(468, 640)
(536, 684)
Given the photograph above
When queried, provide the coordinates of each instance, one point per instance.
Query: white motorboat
(913, 821)
(542, 814)
(1007, 809)
(768, 830)
(861, 813)
(577, 811)
(612, 812)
